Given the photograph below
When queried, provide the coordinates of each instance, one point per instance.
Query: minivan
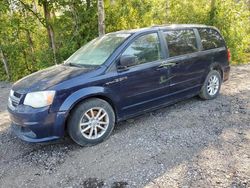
(118, 76)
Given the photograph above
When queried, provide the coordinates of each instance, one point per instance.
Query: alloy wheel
(213, 85)
(94, 123)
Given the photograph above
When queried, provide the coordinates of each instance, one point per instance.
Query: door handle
(122, 68)
(165, 65)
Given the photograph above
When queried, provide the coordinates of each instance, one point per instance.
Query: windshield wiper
(80, 65)
(74, 64)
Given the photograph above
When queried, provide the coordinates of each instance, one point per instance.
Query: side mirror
(126, 61)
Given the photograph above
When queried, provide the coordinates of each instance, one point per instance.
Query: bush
(24, 38)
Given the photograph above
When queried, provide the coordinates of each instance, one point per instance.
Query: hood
(47, 78)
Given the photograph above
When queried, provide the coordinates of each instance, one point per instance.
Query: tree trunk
(49, 28)
(248, 4)
(76, 24)
(101, 18)
(25, 60)
(167, 10)
(212, 11)
(30, 42)
(32, 50)
(213, 4)
(34, 6)
(88, 4)
(5, 63)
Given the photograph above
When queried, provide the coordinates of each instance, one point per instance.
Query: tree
(36, 34)
(212, 11)
(4, 60)
(47, 16)
(101, 17)
(167, 8)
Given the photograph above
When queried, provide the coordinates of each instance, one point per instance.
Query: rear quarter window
(210, 39)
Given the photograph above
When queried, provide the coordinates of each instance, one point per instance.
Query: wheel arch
(78, 97)
(216, 66)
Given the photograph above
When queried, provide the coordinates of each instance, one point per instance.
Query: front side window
(210, 39)
(181, 42)
(97, 51)
(145, 48)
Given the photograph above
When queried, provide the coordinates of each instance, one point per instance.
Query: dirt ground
(193, 143)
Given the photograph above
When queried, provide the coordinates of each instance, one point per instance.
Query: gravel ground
(193, 143)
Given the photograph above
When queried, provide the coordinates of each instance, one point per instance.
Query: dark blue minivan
(118, 76)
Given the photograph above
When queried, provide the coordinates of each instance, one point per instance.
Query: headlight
(39, 99)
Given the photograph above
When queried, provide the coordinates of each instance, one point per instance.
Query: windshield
(97, 51)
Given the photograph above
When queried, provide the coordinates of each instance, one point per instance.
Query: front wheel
(91, 122)
(211, 86)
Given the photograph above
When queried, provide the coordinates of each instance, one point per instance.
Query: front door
(143, 85)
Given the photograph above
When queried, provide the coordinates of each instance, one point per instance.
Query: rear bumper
(226, 72)
(37, 125)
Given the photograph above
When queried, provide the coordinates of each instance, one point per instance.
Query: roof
(168, 26)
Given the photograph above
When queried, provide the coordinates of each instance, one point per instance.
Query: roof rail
(162, 25)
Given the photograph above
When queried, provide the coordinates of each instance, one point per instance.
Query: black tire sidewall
(76, 115)
(204, 91)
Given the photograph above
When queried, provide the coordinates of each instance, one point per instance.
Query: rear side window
(145, 48)
(181, 42)
(210, 39)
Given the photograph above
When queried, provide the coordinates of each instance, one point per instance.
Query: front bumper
(37, 125)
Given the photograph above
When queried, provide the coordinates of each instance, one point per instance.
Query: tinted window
(181, 42)
(210, 39)
(146, 49)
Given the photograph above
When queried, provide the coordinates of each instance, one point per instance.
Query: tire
(207, 93)
(84, 124)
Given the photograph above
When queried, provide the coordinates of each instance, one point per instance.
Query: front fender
(84, 93)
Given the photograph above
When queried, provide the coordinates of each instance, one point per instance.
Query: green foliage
(25, 42)
(128, 14)
(233, 19)
(188, 11)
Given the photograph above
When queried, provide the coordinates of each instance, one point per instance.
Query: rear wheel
(211, 86)
(91, 122)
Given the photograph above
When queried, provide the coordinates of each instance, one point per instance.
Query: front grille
(18, 95)
(14, 99)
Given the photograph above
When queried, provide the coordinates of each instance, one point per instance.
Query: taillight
(228, 55)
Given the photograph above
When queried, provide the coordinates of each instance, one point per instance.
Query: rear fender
(218, 67)
(214, 66)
